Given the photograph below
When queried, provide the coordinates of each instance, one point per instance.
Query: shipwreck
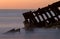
(47, 17)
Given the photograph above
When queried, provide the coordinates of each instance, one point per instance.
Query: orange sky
(24, 4)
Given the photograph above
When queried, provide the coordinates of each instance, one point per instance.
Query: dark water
(35, 34)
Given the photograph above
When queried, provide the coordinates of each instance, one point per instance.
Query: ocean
(13, 18)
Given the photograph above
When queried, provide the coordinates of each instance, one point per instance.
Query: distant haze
(12, 17)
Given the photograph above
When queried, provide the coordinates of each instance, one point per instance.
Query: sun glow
(24, 4)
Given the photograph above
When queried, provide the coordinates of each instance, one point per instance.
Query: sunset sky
(24, 4)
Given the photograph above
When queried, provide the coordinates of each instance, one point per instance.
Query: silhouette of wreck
(13, 31)
(46, 17)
